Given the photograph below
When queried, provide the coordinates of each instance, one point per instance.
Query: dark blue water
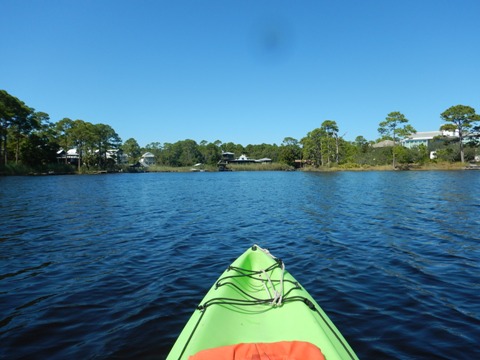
(111, 266)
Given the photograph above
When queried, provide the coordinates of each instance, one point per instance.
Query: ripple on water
(113, 266)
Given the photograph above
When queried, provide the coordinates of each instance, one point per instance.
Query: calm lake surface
(112, 266)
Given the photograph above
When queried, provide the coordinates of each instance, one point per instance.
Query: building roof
(429, 135)
(383, 143)
(424, 135)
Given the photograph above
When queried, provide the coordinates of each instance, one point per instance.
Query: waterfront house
(301, 163)
(68, 157)
(118, 156)
(72, 156)
(427, 138)
(224, 160)
(147, 159)
(229, 158)
(243, 159)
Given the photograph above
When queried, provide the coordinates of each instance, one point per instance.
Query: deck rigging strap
(274, 288)
(278, 294)
(286, 298)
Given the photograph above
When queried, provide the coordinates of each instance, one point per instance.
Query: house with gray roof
(147, 159)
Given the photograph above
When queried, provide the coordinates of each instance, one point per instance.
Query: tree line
(28, 137)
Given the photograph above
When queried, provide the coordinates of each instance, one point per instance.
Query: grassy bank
(433, 166)
(56, 169)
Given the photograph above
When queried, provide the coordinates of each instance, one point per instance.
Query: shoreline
(264, 167)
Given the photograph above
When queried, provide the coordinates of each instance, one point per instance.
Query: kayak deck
(256, 300)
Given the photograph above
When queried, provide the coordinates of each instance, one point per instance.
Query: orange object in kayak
(282, 350)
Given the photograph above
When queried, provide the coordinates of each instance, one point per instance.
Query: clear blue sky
(243, 71)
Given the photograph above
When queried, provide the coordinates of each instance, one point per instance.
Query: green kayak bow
(256, 300)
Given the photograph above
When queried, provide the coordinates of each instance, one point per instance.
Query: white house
(71, 156)
(426, 137)
(118, 156)
(147, 159)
